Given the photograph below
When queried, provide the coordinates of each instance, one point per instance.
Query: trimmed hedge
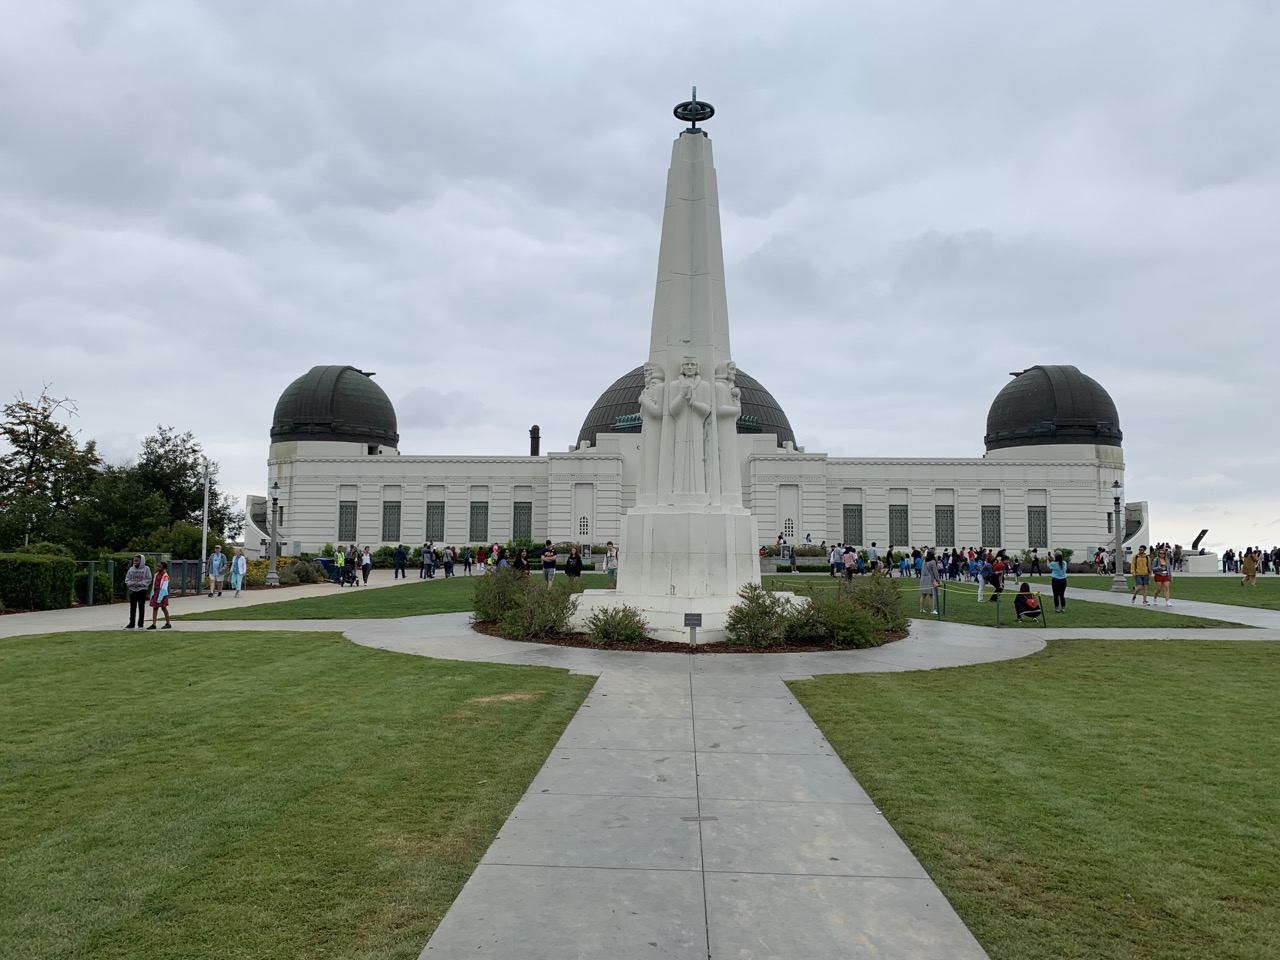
(101, 586)
(31, 582)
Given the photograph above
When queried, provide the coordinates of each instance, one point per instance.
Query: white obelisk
(688, 545)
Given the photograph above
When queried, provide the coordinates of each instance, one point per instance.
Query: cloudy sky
(200, 201)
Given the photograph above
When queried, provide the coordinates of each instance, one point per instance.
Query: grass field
(962, 606)
(249, 795)
(1101, 799)
(358, 603)
(1220, 589)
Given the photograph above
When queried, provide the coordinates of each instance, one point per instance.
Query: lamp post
(273, 579)
(1118, 582)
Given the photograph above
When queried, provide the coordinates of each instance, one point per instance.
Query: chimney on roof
(535, 440)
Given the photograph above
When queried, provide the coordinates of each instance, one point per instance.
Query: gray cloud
(203, 200)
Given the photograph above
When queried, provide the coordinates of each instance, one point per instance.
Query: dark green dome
(335, 403)
(618, 409)
(1052, 405)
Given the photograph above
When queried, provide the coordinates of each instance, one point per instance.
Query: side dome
(618, 409)
(1056, 404)
(335, 403)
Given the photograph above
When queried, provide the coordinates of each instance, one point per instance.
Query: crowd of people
(1250, 562)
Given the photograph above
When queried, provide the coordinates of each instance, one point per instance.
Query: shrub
(36, 582)
(880, 597)
(44, 548)
(288, 575)
(833, 618)
(384, 558)
(304, 571)
(617, 625)
(328, 551)
(101, 586)
(256, 573)
(539, 612)
(497, 592)
(760, 620)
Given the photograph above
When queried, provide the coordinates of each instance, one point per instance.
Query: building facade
(1052, 453)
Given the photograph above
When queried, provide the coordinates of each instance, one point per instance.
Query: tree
(45, 472)
(173, 465)
(116, 509)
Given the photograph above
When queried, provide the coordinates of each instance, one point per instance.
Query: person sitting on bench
(1026, 604)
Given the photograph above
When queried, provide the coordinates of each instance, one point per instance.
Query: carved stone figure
(653, 409)
(689, 403)
(728, 410)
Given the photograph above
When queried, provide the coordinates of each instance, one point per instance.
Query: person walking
(399, 560)
(160, 596)
(1162, 573)
(1249, 567)
(137, 585)
(1058, 582)
(930, 574)
(467, 560)
(1141, 575)
(217, 570)
(1035, 563)
(449, 558)
(611, 563)
(239, 569)
(548, 563)
(366, 564)
(429, 559)
(573, 565)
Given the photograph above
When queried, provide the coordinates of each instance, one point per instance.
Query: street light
(273, 579)
(1118, 583)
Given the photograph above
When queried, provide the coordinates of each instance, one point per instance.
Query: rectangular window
(944, 526)
(1038, 527)
(1111, 523)
(522, 521)
(899, 525)
(853, 523)
(391, 521)
(435, 521)
(991, 535)
(479, 529)
(346, 520)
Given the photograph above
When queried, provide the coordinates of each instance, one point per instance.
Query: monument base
(678, 559)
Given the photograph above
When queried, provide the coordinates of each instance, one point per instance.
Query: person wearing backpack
(1141, 575)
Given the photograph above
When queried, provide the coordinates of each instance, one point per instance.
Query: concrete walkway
(692, 809)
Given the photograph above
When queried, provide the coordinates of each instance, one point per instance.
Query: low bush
(496, 593)
(539, 612)
(833, 618)
(43, 548)
(384, 558)
(879, 596)
(101, 585)
(36, 582)
(617, 625)
(256, 573)
(760, 620)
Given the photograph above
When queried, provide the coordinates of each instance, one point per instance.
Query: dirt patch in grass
(490, 628)
(512, 697)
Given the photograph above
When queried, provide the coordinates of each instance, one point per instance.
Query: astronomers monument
(688, 544)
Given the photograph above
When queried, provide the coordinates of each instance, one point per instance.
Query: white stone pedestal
(681, 559)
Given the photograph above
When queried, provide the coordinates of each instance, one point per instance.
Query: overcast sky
(201, 201)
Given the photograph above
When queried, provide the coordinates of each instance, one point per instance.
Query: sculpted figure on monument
(728, 410)
(689, 404)
(652, 410)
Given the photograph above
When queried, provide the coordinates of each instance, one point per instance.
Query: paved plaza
(691, 809)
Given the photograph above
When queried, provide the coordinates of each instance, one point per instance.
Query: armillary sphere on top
(694, 110)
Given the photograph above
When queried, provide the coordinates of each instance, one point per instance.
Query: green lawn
(1219, 589)
(249, 795)
(962, 606)
(358, 603)
(1102, 799)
